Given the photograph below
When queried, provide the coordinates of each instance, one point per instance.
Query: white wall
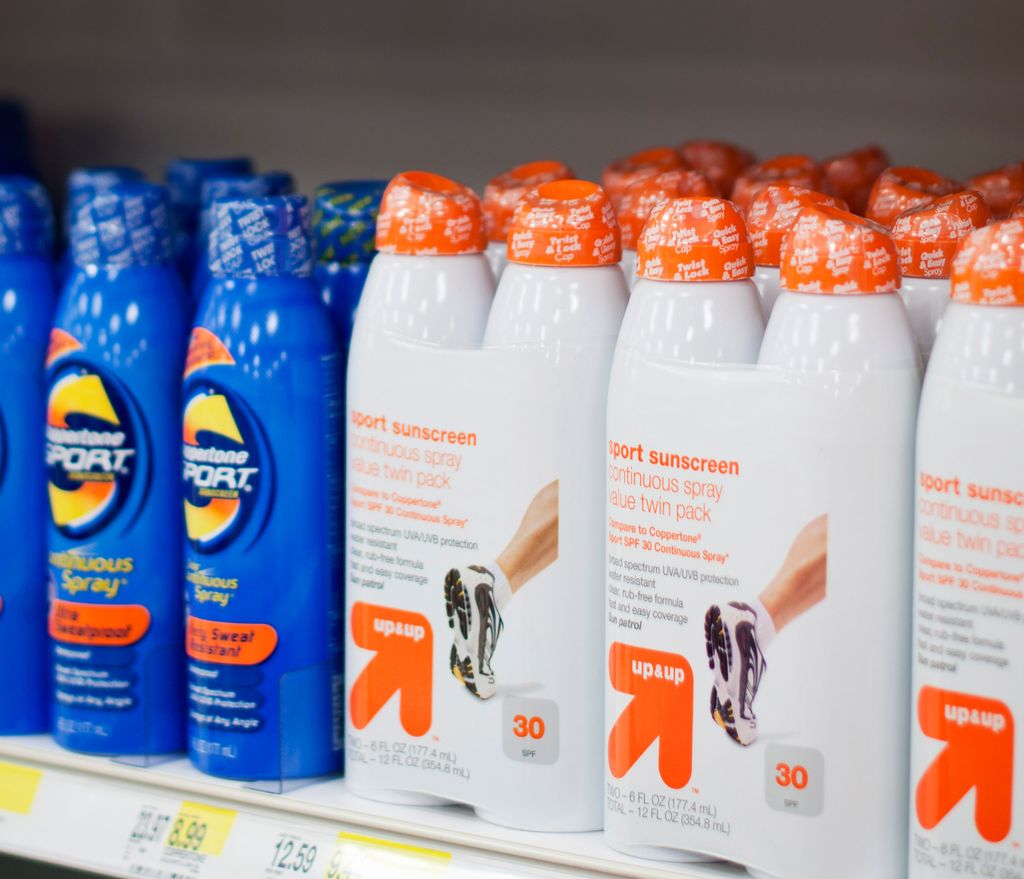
(335, 89)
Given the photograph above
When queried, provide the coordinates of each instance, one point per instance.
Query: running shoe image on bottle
(473, 615)
(736, 659)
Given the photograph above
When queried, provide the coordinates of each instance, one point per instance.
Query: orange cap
(721, 162)
(853, 174)
(698, 238)
(424, 213)
(903, 187)
(503, 191)
(833, 251)
(623, 172)
(927, 236)
(1001, 188)
(773, 212)
(799, 170)
(564, 223)
(989, 266)
(645, 195)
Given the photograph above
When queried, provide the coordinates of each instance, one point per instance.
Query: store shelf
(171, 822)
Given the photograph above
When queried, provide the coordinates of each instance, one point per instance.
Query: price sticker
(201, 828)
(292, 854)
(361, 857)
(18, 786)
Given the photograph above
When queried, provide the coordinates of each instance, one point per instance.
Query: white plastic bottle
(693, 303)
(431, 281)
(643, 196)
(926, 238)
(967, 788)
(556, 315)
(772, 212)
(842, 343)
(499, 202)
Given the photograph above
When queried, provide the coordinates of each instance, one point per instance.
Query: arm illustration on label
(475, 595)
(738, 633)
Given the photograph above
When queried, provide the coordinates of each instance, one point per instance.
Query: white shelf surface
(119, 820)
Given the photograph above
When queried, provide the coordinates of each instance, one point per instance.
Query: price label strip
(18, 786)
(366, 857)
(201, 828)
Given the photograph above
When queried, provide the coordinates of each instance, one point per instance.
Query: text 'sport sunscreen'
(795, 169)
(499, 202)
(618, 176)
(430, 281)
(227, 188)
(851, 175)
(82, 185)
(902, 187)
(1001, 188)
(966, 784)
(184, 178)
(927, 238)
(344, 245)
(693, 305)
(644, 196)
(474, 509)
(113, 384)
(261, 455)
(717, 160)
(771, 215)
(26, 308)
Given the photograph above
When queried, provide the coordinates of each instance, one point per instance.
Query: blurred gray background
(342, 89)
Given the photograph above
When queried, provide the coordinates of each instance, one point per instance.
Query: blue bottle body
(261, 448)
(113, 377)
(26, 308)
(341, 286)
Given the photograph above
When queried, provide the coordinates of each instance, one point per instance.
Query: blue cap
(126, 225)
(84, 183)
(26, 217)
(345, 220)
(185, 178)
(280, 182)
(229, 187)
(261, 237)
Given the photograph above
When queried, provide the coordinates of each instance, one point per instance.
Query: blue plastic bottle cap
(84, 183)
(345, 220)
(26, 216)
(261, 237)
(185, 177)
(279, 182)
(126, 225)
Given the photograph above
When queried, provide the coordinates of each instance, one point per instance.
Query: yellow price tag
(201, 828)
(357, 856)
(18, 786)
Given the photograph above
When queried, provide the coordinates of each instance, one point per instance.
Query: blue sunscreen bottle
(261, 432)
(27, 297)
(184, 179)
(83, 185)
(113, 374)
(344, 238)
(229, 188)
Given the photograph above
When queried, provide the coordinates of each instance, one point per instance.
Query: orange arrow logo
(662, 708)
(404, 644)
(978, 754)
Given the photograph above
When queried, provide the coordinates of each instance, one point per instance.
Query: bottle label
(756, 555)
(473, 569)
(967, 796)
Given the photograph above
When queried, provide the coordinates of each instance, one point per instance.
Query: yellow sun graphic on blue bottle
(90, 450)
(221, 470)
